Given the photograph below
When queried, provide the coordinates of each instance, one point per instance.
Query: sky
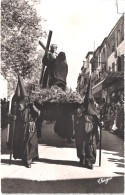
(79, 26)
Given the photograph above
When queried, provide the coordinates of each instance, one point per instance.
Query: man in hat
(23, 133)
(48, 61)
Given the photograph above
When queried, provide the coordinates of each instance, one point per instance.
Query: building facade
(113, 84)
(99, 70)
(83, 78)
(106, 65)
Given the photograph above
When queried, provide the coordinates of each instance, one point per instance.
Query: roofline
(90, 52)
(122, 16)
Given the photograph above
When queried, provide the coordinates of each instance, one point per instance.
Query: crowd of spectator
(113, 114)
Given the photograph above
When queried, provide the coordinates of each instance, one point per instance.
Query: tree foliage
(21, 29)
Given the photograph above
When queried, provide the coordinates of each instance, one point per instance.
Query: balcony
(102, 77)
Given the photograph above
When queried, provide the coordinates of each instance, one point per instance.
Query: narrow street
(58, 170)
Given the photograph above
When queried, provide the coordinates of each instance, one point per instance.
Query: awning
(98, 84)
(114, 76)
(97, 88)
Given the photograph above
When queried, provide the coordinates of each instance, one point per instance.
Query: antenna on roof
(94, 45)
(116, 3)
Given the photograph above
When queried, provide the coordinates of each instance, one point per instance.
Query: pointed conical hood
(20, 92)
(89, 100)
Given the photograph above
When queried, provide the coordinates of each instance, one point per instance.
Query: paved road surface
(58, 170)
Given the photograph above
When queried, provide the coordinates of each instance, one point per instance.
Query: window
(113, 67)
(109, 49)
(105, 68)
(113, 48)
(92, 67)
(122, 31)
(109, 68)
(100, 74)
(122, 62)
(119, 63)
(113, 43)
(118, 37)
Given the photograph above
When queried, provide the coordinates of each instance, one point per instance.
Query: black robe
(25, 145)
(85, 142)
(60, 73)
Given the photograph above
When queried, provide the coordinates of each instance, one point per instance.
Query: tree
(21, 29)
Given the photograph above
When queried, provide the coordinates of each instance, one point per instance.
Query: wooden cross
(46, 50)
